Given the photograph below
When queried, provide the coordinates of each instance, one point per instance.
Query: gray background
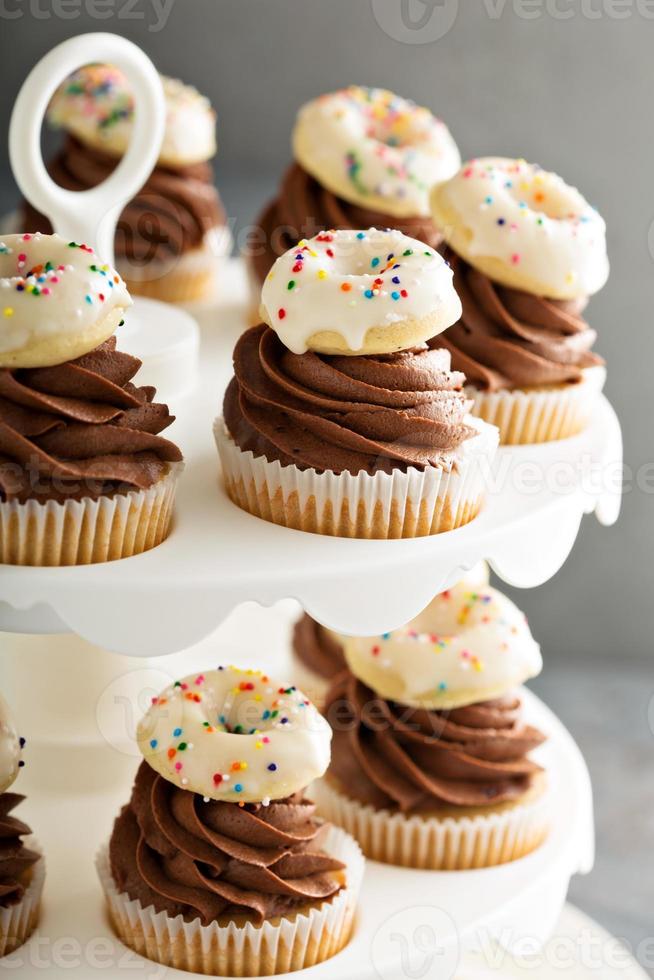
(570, 90)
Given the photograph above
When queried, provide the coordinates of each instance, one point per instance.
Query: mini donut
(470, 644)
(95, 105)
(359, 292)
(235, 735)
(58, 300)
(375, 149)
(10, 747)
(523, 227)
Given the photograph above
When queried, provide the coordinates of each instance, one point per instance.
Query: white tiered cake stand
(217, 557)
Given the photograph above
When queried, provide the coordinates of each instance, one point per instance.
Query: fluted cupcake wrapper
(276, 947)
(539, 415)
(18, 922)
(433, 843)
(395, 505)
(81, 532)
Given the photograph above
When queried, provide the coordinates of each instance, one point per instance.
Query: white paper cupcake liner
(433, 843)
(395, 505)
(81, 532)
(540, 414)
(278, 946)
(18, 922)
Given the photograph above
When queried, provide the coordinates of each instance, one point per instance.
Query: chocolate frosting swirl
(315, 647)
(214, 860)
(411, 759)
(15, 858)
(170, 215)
(81, 429)
(507, 338)
(304, 207)
(339, 413)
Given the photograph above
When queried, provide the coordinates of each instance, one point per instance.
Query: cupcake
(431, 764)
(339, 419)
(218, 864)
(84, 474)
(364, 157)
(22, 868)
(317, 657)
(527, 252)
(171, 235)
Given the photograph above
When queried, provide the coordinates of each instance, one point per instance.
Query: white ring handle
(87, 216)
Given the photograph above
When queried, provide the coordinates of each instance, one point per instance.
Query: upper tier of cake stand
(217, 555)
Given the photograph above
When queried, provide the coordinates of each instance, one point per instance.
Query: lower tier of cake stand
(78, 774)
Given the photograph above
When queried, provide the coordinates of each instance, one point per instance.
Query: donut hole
(392, 134)
(550, 200)
(546, 194)
(246, 711)
(391, 120)
(396, 131)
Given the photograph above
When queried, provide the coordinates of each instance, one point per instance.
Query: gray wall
(570, 92)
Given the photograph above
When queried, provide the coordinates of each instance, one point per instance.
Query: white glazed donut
(470, 644)
(95, 104)
(523, 227)
(375, 149)
(58, 300)
(10, 747)
(359, 292)
(235, 735)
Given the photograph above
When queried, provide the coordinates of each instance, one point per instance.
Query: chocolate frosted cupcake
(350, 433)
(218, 864)
(431, 763)
(317, 657)
(85, 475)
(364, 158)
(22, 868)
(527, 252)
(170, 236)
